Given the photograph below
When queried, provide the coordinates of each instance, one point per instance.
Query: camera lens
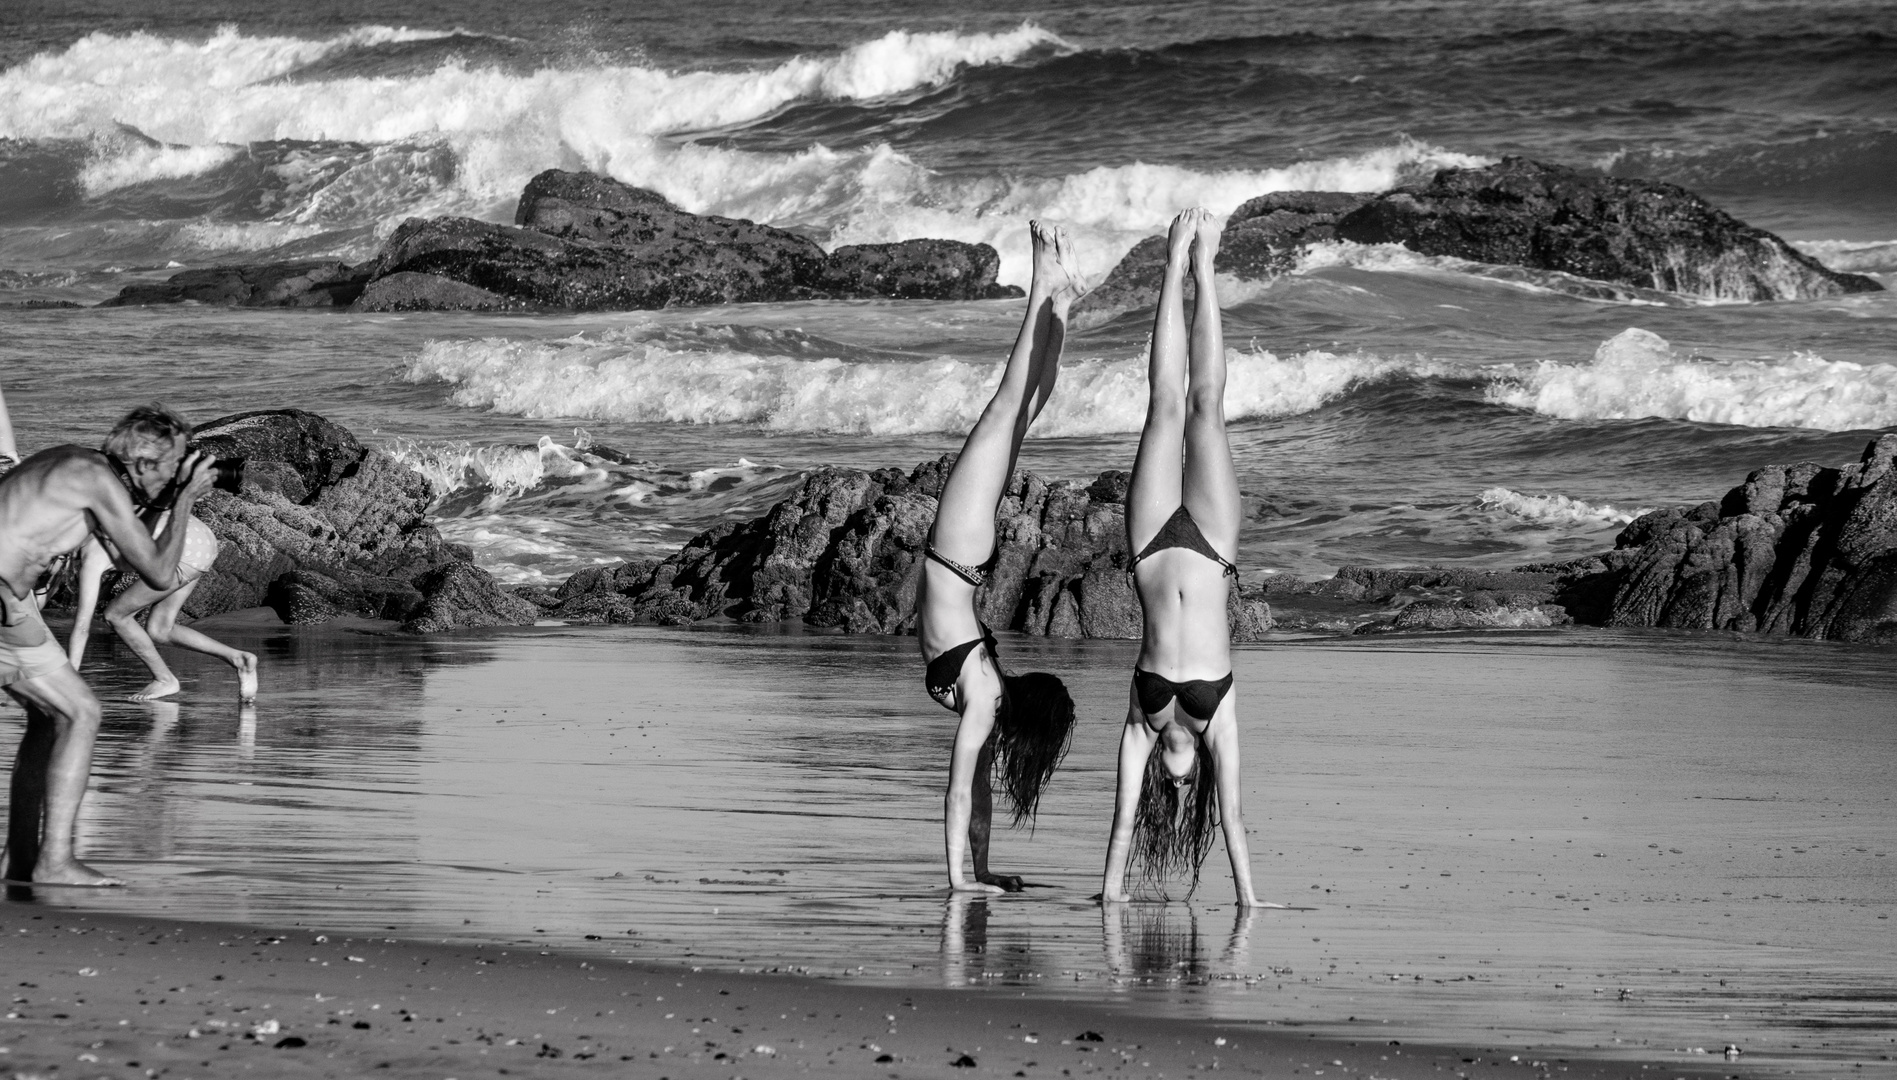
(228, 474)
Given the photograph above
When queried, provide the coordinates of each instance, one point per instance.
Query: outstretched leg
(965, 517)
(1154, 492)
(122, 615)
(164, 629)
(1211, 483)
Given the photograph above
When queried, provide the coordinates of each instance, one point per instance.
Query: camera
(228, 474)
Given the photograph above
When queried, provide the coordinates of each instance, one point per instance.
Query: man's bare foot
(1056, 274)
(72, 872)
(246, 665)
(1006, 882)
(157, 688)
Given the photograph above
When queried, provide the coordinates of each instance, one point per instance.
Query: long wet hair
(1172, 826)
(1033, 725)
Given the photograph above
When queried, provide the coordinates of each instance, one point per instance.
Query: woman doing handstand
(1182, 513)
(1017, 725)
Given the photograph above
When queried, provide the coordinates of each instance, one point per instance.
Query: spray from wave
(1637, 374)
(224, 132)
(1554, 509)
(635, 375)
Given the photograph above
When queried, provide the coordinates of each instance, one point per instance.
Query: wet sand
(105, 995)
(1621, 848)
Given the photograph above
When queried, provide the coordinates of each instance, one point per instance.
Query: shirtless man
(49, 505)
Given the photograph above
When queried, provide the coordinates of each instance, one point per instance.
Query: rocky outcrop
(1801, 550)
(844, 551)
(1796, 549)
(317, 283)
(324, 526)
(1519, 212)
(583, 242)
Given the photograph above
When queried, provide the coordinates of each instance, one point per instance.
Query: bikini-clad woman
(1016, 725)
(1179, 749)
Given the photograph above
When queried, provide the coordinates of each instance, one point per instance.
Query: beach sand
(108, 995)
(1596, 851)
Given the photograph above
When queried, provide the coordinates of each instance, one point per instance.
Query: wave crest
(636, 376)
(1637, 374)
(1554, 509)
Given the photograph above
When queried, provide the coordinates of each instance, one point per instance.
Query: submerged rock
(324, 526)
(1637, 233)
(844, 551)
(311, 283)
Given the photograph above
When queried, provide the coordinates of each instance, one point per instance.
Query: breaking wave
(632, 375)
(1637, 374)
(233, 128)
(1554, 509)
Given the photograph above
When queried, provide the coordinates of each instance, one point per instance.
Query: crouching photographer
(161, 626)
(50, 505)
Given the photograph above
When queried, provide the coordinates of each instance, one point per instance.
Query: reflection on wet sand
(1471, 863)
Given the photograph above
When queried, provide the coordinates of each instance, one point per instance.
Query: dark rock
(407, 290)
(314, 283)
(324, 526)
(1634, 232)
(1796, 549)
(1517, 213)
(914, 270)
(586, 242)
(844, 551)
(462, 596)
(1381, 585)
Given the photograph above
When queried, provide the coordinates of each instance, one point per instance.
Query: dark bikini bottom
(1198, 697)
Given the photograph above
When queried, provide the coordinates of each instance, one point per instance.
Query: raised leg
(1155, 489)
(164, 629)
(1211, 483)
(965, 518)
(122, 615)
(56, 758)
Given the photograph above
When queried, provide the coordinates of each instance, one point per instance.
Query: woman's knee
(1206, 401)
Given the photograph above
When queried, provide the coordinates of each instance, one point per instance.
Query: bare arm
(154, 560)
(1224, 748)
(8, 448)
(92, 566)
(1136, 745)
(980, 693)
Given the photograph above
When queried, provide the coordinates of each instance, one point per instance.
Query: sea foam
(1637, 373)
(629, 376)
(1554, 509)
(455, 138)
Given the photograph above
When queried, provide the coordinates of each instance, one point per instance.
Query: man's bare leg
(66, 714)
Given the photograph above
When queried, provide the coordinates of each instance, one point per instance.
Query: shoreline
(169, 997)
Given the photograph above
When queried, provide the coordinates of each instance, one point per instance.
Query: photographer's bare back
(49, 505)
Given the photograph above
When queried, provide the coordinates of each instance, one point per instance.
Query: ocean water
(1386, 409)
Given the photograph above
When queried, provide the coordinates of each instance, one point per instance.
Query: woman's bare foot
(157, 688)
(1185, 228)
(1205, 246)
(246, 665)
(1056, 274)
(72, 872)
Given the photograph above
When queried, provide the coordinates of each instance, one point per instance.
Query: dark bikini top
(1181, 531)
(1198, 697)
(974, 575)
(946, 668)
